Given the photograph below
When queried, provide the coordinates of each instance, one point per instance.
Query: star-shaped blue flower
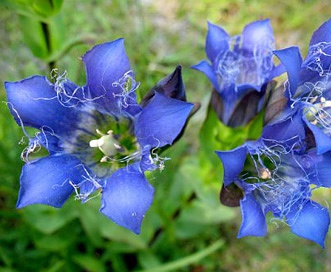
(276, 176)
(98, 138)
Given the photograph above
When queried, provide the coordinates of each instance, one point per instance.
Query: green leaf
(214, 135)
(42, 7)
(58, 266)
(6, 269)
(89, 216)
(40, 10)
(148, 259)
(182, 185)
(55, 242)
(57, 35)
(57, 5)
(44, 38)
(202, 213)
(98, 226)
(48, 219)
(255, 126)
(64, 45)
(33, 36)
(189, 260)
(116, 233)
(89, 263)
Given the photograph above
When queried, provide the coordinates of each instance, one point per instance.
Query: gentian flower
(309, 87)
(98, 138)
(240, 70)
(278, 172)
(277, 179)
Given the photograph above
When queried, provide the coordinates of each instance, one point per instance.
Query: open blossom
(98, 138)
(279, 180)
(241, 68)
(309, 86)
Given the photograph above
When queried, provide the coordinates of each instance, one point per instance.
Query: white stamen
(107, 144)
(96, 143)
(117, 146)
(264, 173)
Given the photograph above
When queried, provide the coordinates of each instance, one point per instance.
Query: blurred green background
(186, 228)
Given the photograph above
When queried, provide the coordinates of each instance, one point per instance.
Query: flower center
(277, 180)
(104, 142)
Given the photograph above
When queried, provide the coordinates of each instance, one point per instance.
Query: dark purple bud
(275, 104)
(230, 195)
(247, 109)
(248, 106)
(217, 103)
(171, 86)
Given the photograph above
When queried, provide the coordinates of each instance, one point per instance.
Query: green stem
(47, 35)
(175, 265)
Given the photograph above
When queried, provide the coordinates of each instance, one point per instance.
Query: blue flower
(278, 177)
(278, 172)
(309, 86)
(240, 66)
(99, 140)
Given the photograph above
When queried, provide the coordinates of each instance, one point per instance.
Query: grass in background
(158, 35)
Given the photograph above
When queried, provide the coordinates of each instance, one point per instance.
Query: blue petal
(46, 181)
(48, 140)
(322, 34)
(316, 66)
(243, 89)
(292, 60)
(69, 94)
(231, 96)
(323, 170)
(323, 142)
(253, 219)
(204, 67)
(319, 166)
(126, 198)
(288, 132)
(217, 41)
(310, 221)
(105, 65)
(148, 162)
(258, 35)
(34, 102)
(233, 163)
(161, 121)
(277, 71)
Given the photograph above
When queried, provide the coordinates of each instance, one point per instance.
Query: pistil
(107, 144)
